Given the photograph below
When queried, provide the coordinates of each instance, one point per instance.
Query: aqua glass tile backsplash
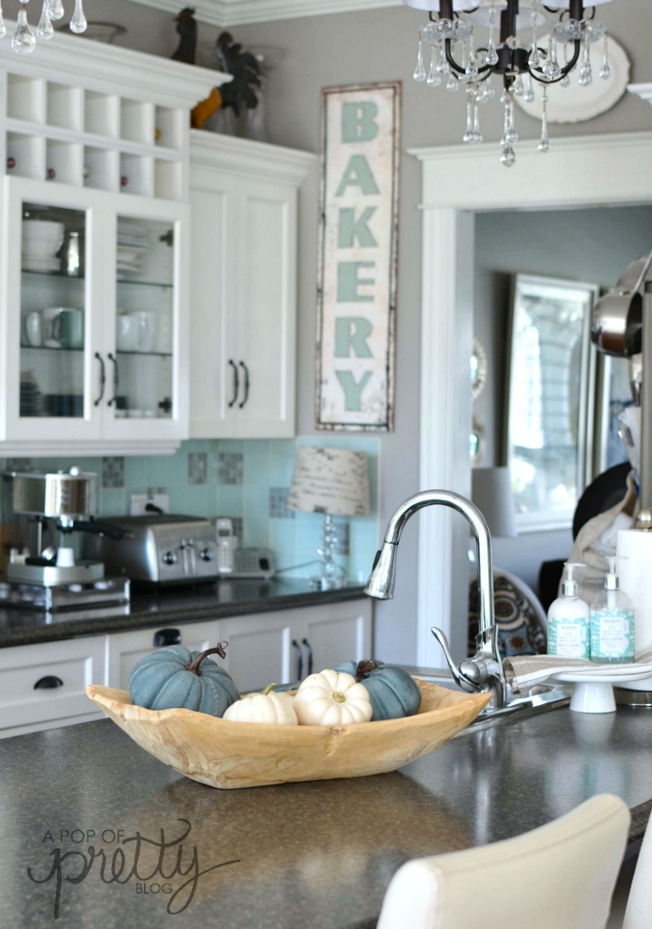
(247, 480)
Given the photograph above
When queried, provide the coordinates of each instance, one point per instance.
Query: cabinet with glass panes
(94, 343)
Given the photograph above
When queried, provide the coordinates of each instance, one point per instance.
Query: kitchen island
(317, 854)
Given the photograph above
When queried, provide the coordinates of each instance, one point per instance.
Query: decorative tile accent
(230, 468)
(198, 468)
(113, 472)
(278, 498)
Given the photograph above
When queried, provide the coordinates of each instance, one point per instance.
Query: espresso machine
(50, 577)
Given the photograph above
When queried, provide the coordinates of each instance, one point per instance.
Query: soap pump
(612, 620)
(569, 625)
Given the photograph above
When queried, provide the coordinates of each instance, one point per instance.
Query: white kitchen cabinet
(43, 686)
(95, 226)
(125, 649)
(287, 646)
(243, 198)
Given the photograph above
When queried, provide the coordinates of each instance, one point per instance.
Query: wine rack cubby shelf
(88, 115)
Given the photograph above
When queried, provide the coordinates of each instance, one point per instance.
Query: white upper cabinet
(243, 198)
(95, 245)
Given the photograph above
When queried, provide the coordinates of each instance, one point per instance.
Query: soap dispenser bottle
(612, 621)
(569, 625)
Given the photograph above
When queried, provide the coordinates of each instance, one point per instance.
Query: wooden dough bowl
(223, 753)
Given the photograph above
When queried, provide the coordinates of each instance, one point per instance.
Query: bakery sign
(357, 258)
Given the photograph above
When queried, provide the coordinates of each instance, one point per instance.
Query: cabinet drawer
(68, 667)
(127, 648)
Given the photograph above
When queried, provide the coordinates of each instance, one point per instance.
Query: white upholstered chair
(560, 876)
(638, 914)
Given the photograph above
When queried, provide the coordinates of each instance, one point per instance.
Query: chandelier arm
(451, 61)
(535, 72)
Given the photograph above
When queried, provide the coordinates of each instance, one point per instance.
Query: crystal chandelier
(457, 60)
(24, 38)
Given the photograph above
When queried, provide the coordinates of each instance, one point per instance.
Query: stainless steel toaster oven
(157, 549)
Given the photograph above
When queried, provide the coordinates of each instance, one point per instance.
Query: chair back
(561, 875)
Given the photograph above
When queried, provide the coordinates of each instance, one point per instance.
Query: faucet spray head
(381, 580)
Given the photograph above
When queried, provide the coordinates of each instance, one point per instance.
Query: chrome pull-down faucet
(484, 671)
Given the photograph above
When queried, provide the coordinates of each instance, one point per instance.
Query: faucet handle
(469, 684)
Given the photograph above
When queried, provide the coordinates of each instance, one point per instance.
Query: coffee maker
(51, 577)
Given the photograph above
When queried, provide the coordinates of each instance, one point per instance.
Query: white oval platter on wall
(575, 104)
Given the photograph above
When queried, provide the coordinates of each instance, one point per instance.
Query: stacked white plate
(41, 240)
(132, 245)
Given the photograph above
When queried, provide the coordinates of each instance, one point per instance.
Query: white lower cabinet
(43, 686)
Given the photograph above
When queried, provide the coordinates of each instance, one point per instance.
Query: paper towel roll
(635, 572)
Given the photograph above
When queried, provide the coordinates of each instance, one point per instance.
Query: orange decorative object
(205, 109)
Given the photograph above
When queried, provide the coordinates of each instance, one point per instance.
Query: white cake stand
(595, 694)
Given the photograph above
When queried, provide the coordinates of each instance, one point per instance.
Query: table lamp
(335, 482)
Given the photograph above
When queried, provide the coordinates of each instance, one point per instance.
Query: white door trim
(457, 182)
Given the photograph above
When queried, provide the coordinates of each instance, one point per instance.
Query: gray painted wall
(360, 47)
(583, 245)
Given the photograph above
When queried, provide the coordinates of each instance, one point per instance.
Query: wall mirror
(550, 395)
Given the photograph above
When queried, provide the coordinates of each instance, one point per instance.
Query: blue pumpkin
(393, 692)
(175, 677)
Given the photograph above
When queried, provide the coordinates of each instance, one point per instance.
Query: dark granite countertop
(316, 855)
(168, 607)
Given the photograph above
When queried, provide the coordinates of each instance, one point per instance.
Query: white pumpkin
(332, 699)
(265, 707)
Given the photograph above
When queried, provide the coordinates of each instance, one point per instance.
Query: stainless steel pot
(617, 317)
(55, 495)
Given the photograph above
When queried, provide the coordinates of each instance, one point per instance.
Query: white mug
(136, 332)
(48, 329)
(33, 331)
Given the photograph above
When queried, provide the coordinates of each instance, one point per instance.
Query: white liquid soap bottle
(612, 621)
(569, 623)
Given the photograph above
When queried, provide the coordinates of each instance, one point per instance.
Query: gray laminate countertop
(168, 607)
(317, 855)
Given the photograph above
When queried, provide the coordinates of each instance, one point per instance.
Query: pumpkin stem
(218, 650)
(364, 669)
(267, 690)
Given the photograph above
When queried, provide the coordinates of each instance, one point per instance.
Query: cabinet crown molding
(239, 12)
(248, 157)
(644, 91)
(113, 70)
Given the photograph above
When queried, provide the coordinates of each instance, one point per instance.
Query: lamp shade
(330, 480)
(433, 5)
(492, 494)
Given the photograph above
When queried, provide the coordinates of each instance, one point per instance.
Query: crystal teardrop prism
(508, 156)
(544, 144)
(55, 9)
(24, 39)
(452, 85)
(528, 96)
(605, 70)
(78, 22)
(434, 78)
(443, 66)
(420, 71)
(468, 135)
(45, 29)
(519, 87)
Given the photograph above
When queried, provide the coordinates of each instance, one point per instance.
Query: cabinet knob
(49, 682)
(206, 554)
(167, 637)
(169, 558)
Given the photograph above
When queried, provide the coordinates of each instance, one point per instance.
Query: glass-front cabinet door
(50, 289)
(145, 398)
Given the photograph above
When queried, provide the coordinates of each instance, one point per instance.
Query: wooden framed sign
(358, 248)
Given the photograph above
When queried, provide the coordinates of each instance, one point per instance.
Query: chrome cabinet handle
(309, 649)
(246, 384)
(49, 682)
(296, 645)
(102, 378)
(167, 637)
(116, 379)
(236, 382)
